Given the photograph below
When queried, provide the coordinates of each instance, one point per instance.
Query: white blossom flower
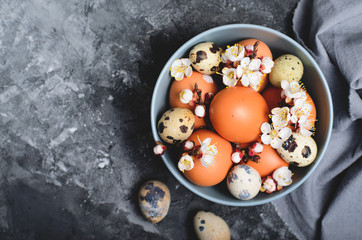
(186, 96)
(300, 112)
(280, 117)
(292, 90)
(269, 185)
(186, 162)
(180, 68)
(266, 65)
(229, 76)
(188, 145)
(208, 152)
(237, 156)
(274, 137)
(248, 72)
(283, 176)
(200, 111)
(257, 147)
(159, 149)
(249, 49)
(233, 54)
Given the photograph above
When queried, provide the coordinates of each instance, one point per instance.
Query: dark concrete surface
(76, 80)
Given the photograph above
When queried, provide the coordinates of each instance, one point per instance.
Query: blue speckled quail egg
(286, 67)
(206, 57)
(298, 150)
(243, 182)
(154, 200)
(176, 125)
(208, 226)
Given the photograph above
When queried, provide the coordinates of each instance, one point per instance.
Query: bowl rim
(188, 184)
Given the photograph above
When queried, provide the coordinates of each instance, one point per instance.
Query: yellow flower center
(180, 69)
(231, 75)
(283, 114)
(273, 134)
(186, 163)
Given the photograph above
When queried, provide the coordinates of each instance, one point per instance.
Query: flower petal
(284, 84)
(285, 133)
(276, 143)
(205, 144)
(207, 160)
(224, 58)
(179, 76)
(186, 61)
(239, 71)
(305, 132)
(188, 71)
(303, 119)
(241, 52)
(245, 81)
(255, 77)
(265, 128)
(265, 138)
(245, 62)
(254, 64)
(275, 110)
(177, 63)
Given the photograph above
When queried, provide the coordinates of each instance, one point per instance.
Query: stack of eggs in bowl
(236, 109)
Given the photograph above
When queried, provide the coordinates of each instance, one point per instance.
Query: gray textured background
(76, 79)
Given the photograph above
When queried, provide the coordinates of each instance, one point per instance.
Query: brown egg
(262, 51)
(272, 97)
(268, 162)
(216, 172)
(237, 114)
(204, 82)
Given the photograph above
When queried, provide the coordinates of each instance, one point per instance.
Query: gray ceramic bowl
(279, 44)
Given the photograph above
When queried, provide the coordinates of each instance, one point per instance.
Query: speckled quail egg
(298, 150)
(243, 182)
(176, 125)
(286, 67)
(208, 226)
(154, 200)
(206, 57)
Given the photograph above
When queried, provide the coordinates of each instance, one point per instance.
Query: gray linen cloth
(329, 204)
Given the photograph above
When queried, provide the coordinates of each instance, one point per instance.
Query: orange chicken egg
(268, 162)
(272, 97)
(217, 171)
(237, 114)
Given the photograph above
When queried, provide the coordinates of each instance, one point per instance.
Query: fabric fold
(326, 206)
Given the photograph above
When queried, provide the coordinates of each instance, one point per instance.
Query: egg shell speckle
(286, 67)
(154, 200)
(243, 182)
(298, 150)
(176, 125)
(208, 226)
(206, 57)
